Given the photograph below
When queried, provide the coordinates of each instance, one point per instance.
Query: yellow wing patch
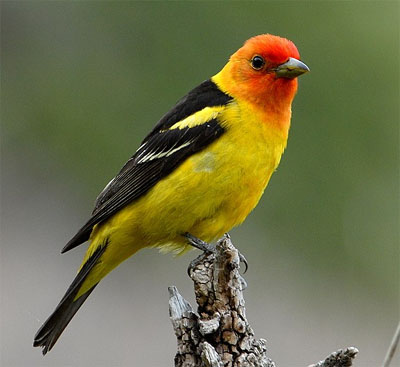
(199, 117)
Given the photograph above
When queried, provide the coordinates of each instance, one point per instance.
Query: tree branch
(218, 334)
(340, 358)
(392, 347)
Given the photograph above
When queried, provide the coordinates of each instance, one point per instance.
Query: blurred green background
(83, 82)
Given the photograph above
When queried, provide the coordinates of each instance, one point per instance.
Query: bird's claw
(200, 244)
(209, 248)
(243, 260)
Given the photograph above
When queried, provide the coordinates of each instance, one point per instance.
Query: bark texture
(218, 334)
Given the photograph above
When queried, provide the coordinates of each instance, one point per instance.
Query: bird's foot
(242, 259)
(206, 247)
(200, 244)
(209, 248)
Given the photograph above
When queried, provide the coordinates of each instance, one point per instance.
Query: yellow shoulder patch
(199, 117)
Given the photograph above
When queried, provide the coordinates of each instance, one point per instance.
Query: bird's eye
(257, 62)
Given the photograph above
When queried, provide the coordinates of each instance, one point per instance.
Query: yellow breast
(243, 163)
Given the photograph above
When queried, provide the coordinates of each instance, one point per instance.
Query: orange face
(264, 71)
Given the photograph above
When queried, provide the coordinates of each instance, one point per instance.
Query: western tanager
(198, 173)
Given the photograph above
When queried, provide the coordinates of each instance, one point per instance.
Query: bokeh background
(82, 83)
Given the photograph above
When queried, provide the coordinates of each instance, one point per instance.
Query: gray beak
(291, 69)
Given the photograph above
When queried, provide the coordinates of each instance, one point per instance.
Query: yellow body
(210, 193)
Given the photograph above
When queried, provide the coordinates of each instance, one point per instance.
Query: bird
(197, 174)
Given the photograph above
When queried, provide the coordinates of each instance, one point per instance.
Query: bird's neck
(271, 103)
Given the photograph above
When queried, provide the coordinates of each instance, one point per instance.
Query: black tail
(51, 330)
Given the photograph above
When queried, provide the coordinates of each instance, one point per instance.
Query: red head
(263, 72)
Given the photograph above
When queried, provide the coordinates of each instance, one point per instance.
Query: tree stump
(218, 334)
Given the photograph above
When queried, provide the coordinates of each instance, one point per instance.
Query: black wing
(159, 154)
(207, 94)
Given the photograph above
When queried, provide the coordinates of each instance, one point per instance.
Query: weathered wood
(340, 358)
(218, 334)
